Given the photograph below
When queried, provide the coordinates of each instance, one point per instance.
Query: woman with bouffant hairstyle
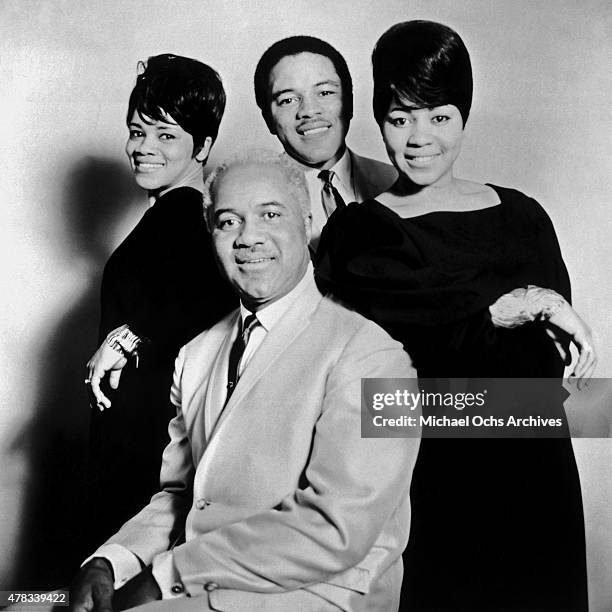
(470, 278)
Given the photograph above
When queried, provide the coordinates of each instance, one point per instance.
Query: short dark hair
(424, 62)
(294, 45)
(188, 90)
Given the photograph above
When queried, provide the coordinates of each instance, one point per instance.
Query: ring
(87, 381)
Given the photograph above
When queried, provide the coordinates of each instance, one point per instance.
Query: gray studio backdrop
(541, 122)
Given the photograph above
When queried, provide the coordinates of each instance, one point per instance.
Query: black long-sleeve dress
(497, 524)
(164, 283)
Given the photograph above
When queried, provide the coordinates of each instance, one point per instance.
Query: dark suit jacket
(371, 177)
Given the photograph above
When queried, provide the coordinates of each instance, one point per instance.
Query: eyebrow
(406, 108)
(163, 126)
(223, 210)
(231, 211)
(275, 94)
(271, 203)
(328, 82)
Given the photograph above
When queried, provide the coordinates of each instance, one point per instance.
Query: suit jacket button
(211, 586)
(177, 588)
(202, 503)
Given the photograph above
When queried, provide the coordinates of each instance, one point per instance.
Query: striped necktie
(236, 352)
(330, 196)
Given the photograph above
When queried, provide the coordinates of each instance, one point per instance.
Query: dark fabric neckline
(440, 212)
(166, 205)
(176, 191)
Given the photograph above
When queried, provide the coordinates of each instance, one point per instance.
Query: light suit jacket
(282, 500)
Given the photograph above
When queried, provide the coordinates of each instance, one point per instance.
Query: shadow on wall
(55, 442)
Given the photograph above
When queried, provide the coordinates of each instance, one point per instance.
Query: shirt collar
(270, 315)
(343, 169)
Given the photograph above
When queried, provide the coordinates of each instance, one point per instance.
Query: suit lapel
(293, 322)
(217, 390)
(371, 178)
(359, 179)
(364, 187)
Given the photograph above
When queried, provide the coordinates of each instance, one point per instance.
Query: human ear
(202, 155)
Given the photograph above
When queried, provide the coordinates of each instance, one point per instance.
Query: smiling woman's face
(161, 154)
(423, 143)
(306, 110)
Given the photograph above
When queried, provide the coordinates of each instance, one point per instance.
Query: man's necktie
(250, 323)
(330, 196)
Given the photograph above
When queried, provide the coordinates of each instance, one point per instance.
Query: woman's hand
(105, 359)
(566, 326)
(562, 322)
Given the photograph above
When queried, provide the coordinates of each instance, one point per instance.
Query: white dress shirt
(268, 317)
(126, 564)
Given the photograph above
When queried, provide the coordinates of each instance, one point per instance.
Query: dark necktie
(330, 196)
(250, 323)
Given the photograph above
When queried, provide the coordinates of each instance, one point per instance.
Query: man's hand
(141, 589)
(92, 590)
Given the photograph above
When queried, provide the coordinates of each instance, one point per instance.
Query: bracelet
(525, 304)
(124, 341)
(509, 310)
(543, 303)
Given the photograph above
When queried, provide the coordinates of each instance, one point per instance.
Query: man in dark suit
(283, 505)
(305, 92)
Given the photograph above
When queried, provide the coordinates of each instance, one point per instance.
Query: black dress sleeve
(528, 224)
(163, 280)
(430, 280)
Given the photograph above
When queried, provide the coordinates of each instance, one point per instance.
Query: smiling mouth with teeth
(313, 131)
(419, 160)
(148, 166)
(255, 261)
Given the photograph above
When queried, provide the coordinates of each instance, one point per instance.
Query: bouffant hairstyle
(424, 62)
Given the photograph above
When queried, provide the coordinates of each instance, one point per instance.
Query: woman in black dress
(160, 287)
(470, 279)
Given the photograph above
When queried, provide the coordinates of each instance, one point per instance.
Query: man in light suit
(282, 505)
(305, 92)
